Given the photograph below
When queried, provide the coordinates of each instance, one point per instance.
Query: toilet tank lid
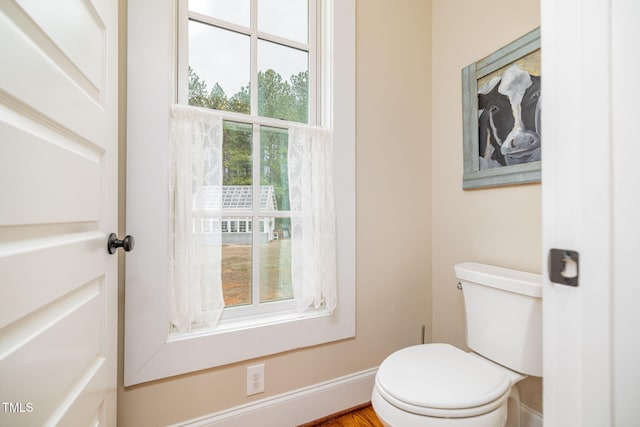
(502, 278)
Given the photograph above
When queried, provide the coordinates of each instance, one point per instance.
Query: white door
(58, 203)
(591, 204)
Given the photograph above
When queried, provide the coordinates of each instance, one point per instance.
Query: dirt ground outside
(275, 272)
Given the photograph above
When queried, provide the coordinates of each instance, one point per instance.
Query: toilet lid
(441, 379)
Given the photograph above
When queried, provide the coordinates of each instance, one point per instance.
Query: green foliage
(280, 99)
(198, 95)
(273, 161)
(236, 154)
(241, 101)
(300, 89)
(277, 98)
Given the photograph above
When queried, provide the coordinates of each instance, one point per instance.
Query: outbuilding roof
(235, 197)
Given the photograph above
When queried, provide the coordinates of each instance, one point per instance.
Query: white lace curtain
(195, 204)
(313, 217)
(195, 201)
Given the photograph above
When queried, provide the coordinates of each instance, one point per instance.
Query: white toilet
(434, 385)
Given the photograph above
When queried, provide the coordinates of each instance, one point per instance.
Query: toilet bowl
(439, 385)
(434, 385)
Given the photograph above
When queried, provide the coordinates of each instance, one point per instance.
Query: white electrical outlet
(255, 379)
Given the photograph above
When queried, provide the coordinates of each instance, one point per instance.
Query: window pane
(275, 260)
(283, 82)
(285, 18)
(236, 262)
(274, 180)
(237, 165)
(236, 11)
(219, 71)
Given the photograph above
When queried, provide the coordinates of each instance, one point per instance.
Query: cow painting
(509, 119)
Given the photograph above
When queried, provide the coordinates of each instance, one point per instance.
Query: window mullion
(314, 69)
(255, 247)
(210, 20)
(283, 41)
(255, 254)
(254, 57)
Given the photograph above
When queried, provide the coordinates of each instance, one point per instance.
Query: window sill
(241, 341)
(248, 322)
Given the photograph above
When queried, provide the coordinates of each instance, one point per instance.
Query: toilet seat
(439, 380)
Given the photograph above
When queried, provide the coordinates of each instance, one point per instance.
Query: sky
(223, 56)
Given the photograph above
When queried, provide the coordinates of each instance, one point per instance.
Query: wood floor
(362, 416)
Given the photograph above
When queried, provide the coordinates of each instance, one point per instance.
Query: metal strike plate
(564, 267)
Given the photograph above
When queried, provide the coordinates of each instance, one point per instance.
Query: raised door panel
(58, 152)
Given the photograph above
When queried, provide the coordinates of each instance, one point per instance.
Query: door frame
(588, 187)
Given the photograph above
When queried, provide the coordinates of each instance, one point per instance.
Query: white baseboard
(312, 403)
(295, 407)
(529, 417)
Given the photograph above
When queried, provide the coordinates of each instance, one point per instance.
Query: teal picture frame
(514, 174)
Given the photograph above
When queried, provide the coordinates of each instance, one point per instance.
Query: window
(256, 58)
(259, 41)
(253, 58)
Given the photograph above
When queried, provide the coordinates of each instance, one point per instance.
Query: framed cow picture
(501, 116)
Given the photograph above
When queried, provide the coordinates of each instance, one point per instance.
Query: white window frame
(150, 351)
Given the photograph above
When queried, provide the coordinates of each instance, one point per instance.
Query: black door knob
(114, 243)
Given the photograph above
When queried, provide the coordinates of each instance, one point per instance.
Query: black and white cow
(509, 119)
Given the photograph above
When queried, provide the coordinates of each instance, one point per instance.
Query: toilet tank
(504, 315)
